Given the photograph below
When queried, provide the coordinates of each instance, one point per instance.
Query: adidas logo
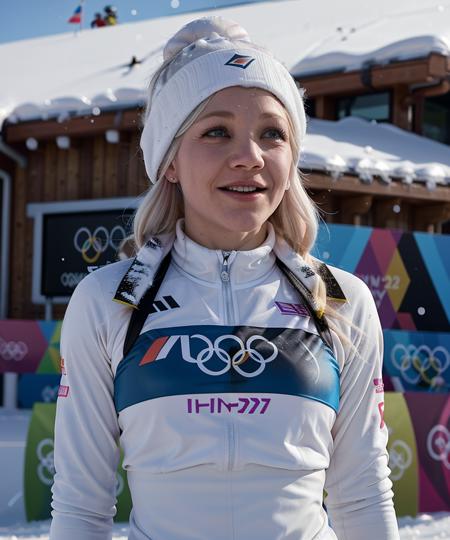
(167, 302)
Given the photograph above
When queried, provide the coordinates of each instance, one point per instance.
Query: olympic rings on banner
(438, 444)
(400, 458)
(46, 467)
(420, 363)
(92, 245)
(12, 350)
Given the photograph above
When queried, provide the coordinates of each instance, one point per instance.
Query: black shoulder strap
(139, 315)
(320, 321)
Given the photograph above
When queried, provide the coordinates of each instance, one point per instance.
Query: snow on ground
(426, 526)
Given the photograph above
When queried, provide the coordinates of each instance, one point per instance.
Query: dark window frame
(340, 98)
(435, 99)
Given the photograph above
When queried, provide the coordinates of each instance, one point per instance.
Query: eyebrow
(227, 114)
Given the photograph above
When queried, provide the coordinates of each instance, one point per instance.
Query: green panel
(402, 455)
(39, 468)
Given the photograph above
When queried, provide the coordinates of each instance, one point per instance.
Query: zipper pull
(224, 274)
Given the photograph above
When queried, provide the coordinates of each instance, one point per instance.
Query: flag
(76, 17)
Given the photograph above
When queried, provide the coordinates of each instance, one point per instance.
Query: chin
(246, 223)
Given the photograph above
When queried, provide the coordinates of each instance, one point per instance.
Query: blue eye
(275, 133)
(216, 132)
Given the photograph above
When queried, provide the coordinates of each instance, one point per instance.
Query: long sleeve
(359, 499)
(86, 429)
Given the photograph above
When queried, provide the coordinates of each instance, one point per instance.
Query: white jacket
(232, 413)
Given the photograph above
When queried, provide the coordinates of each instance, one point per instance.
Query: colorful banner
(37, 388)
(40, 469)
(408, 273)
(29, 346)
(417, 360)
(431, 419)
(402, 454)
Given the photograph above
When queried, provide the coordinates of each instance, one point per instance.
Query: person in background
(98, 21)
(239, 374)
(110, 17)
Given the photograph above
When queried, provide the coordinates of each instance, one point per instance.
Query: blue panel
(37, 388)
(47, 328)
(344, 244)
(436, 256)
(420, 360)
(223, 359)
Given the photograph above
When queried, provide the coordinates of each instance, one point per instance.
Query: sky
(25, 19)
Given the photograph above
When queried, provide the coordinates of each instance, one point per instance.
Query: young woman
(246, 380)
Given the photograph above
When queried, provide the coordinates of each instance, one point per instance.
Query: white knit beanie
(205, 56)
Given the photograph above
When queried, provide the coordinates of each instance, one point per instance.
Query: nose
(246, 154)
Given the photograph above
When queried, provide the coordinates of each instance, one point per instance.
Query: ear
(171, 174)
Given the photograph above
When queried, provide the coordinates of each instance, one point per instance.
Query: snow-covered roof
(70, 73)
(368, 149)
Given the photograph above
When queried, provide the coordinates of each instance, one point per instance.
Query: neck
(228, 240)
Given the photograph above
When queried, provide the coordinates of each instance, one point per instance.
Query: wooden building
(71, 153)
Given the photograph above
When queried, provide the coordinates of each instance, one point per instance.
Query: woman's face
(233, 166)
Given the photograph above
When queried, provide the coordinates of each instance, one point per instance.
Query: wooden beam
(439, 65)
(78, 126)
(408, 72)
(415, 192)
(325, 108)
(433, 214)
(332, 84)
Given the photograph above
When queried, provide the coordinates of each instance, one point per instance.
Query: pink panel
(384, 246)
(406, 321)
(430, 418)
(22, 346)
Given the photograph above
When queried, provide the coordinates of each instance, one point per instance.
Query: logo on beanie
(238, 60)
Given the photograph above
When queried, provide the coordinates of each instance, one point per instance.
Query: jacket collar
(205, 264)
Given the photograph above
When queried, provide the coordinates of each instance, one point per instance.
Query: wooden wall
(92, 168)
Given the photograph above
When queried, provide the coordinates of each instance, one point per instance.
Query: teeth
(242, 189)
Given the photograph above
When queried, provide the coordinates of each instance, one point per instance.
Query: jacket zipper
(231, 446)
(226, 288)
(228, 304)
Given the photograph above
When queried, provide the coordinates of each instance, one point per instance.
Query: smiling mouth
(243, 189)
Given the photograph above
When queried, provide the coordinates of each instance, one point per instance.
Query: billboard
(72, 238)
(407, 273)
(73, 243)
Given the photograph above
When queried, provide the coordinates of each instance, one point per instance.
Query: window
(369, 106)
(436, 118)
(310, 107)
